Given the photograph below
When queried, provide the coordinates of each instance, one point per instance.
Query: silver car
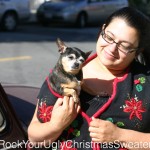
(79, 12)
(12, 12)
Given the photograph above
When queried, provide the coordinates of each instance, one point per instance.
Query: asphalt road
(27, 55)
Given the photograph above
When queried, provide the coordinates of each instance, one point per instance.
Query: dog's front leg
(73, 93)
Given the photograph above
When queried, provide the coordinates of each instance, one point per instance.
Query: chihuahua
(66, 77)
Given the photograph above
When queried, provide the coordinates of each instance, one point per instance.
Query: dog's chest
(73, 83)
(77, 84)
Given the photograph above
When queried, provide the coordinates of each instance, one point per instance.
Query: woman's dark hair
(137, 20)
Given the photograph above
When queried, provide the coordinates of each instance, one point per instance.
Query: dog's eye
(71, 57)
(82, 60)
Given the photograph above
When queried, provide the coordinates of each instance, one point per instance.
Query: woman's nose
(113, 47)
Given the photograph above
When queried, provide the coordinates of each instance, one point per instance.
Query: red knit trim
(50, 88)
(48, 82)
(116, 80)
(90, 58)
(83, 114)
(106, 105)
(59, 96)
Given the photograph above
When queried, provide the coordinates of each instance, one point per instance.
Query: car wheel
(9, 22)
(44, 23)
(82, 20)
(41, 20)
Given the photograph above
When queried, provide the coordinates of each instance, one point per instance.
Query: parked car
(79, 12)
(17, 105)
(12, 12)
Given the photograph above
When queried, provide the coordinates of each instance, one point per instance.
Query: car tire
(9, 21)
(41, 20)
(81, 20)
(44, 23)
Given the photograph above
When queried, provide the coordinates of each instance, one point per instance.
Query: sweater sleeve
(46, 101)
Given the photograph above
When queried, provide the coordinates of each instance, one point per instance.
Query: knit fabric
(128, 107)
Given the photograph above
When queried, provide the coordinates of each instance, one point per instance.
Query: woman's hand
(64, 112)
(103, 131)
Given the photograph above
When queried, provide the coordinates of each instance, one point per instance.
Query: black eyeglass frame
(113, 41)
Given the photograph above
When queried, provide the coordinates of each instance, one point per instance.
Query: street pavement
(30, 52)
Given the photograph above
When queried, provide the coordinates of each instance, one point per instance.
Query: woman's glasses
(120, 47)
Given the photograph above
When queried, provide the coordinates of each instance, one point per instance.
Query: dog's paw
(76, 99)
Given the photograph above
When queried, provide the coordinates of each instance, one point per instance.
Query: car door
(99, 10)
(12, 135)
(92, 10)
(22, 7)
(107, 7)
(3, 6)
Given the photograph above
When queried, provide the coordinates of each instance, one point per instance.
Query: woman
(115, 98)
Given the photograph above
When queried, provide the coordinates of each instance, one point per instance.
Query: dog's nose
(76, 64)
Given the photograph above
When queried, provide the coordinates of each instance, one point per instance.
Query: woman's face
(126, 37)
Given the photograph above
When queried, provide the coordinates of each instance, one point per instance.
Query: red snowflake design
(135, 108)
(67, 146)
(136, 81)
(45, 112)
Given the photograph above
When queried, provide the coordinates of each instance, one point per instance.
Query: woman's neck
(110, 73)
(98, 79)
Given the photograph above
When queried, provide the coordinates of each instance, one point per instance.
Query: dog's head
(71, 58)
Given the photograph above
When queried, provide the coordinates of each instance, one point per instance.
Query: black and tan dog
(66, 77)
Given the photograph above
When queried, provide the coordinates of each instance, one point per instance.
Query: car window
(65, 0)
(109, 0)
(92, 1)
(2, 121)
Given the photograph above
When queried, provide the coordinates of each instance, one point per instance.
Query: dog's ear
(61, 46)
(87, 54)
